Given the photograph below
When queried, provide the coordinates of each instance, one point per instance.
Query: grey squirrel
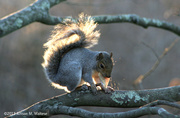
(68, 63)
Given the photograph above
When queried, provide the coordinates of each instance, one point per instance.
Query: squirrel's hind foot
(85, 87)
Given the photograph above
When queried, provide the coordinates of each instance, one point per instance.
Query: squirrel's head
(104, 64)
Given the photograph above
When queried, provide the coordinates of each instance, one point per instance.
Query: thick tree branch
(121, 98)
(36, 12)
(39, 12)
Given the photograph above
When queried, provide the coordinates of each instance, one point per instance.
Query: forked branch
(139, 80)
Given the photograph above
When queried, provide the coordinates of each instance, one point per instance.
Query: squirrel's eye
(102, 66)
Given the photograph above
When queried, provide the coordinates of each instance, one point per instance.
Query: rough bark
(123, 99)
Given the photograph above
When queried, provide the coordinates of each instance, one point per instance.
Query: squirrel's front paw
(106, 90)
(93, 89)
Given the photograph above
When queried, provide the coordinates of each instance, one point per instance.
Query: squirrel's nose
(108, 76)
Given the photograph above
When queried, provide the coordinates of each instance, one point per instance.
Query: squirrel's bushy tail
(67, 36)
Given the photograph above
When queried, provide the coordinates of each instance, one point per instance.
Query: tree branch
(121, 98)
(39, 12)
(36, 12)
(65, 110)
(141, 21)
(162, 102)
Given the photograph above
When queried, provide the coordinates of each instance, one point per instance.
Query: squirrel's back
(65, 37)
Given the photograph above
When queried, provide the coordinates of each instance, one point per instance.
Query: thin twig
(157, 56)
(139, 80)
(162, 102)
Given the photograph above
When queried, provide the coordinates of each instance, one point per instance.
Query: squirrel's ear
(99, 56)
(111, 54)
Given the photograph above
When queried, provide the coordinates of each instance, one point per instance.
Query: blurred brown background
(22, 81)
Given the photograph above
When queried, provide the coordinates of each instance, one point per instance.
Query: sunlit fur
(69, 35)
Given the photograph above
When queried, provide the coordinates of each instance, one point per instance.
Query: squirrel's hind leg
(70, 76)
